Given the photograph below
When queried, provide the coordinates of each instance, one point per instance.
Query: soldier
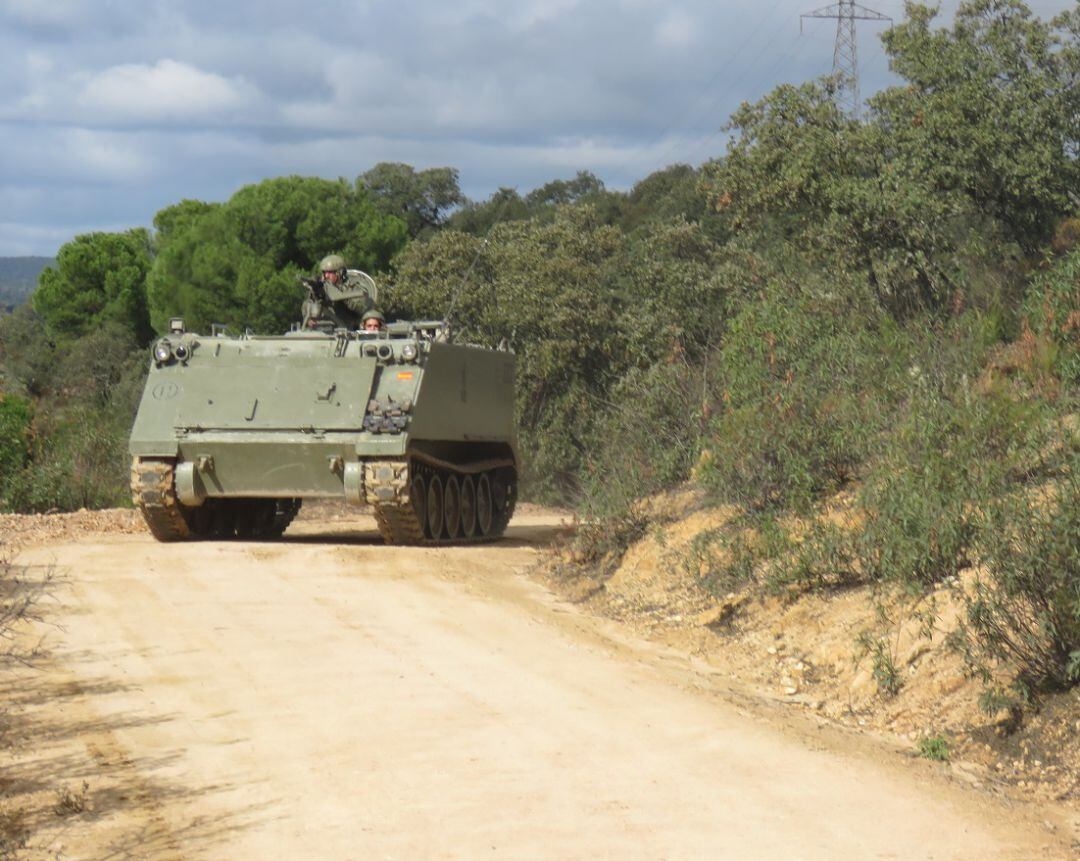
(326, 306)
(373, 321)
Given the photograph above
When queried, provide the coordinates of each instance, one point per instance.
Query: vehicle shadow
(524, 535)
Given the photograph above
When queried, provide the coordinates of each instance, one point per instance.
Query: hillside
(18, 277)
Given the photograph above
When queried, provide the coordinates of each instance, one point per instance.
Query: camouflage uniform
(342, 312)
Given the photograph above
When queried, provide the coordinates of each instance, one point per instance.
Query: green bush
(951, 445)
(15, 438)
(1052, 309)
(883, 662)
(920, 524)
(83, 464)
(926, 497)
(825, 557)
(647, 438)
(934, 747)
(1025, 607)
(796, 417)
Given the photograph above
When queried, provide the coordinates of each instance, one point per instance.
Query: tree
(671, 192)
(422, 199)
(478, 218)
(562, 191)
(674, 285)
(545, 287)
(27, 356)
(238, 263)
(98, 277)
(992, 109)
(174, 219)
(976, 152)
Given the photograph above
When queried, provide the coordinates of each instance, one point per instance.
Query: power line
(730, 61)
(845, 52)
(792, 52)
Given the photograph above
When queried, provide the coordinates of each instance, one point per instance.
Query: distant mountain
(18, 278)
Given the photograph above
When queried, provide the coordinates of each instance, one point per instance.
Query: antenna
(845, 63)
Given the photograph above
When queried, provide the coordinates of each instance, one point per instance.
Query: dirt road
(326, 697)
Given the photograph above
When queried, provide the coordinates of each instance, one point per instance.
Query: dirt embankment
(814, 652)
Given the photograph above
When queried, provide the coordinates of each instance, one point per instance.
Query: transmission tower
(845, 64)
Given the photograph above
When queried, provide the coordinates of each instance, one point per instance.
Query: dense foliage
(878, 315)
(238, 263)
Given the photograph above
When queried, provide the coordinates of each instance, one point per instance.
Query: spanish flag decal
(404, 375)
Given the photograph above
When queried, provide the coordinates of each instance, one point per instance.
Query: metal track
(386, 489)
(154, 493)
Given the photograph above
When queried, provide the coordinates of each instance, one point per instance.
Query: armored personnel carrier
(234, 432)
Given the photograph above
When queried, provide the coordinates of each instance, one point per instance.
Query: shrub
(1024, 608)
(920, 523)
(648, 437)
(1052, 309)
(80, 462)
(825, 557)
(953, 449)
(934, 747)
(883, 665)
(721, 559)
(602, 540)
(15, 419)
(796, 421)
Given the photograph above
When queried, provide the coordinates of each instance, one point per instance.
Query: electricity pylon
(845, 64)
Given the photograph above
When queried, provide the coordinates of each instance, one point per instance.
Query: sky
(112, 110)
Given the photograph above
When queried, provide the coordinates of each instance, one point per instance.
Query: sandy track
(330, 698)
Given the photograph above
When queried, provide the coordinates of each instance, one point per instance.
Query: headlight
(163, 351)
(408, 352)
(181, 352)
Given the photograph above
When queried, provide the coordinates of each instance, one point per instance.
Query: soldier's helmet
(332, 263)
(373, 314)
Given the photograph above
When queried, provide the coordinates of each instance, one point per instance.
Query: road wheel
(282, 512)
(435, 507)
(418, 500)
(262, 518)
(503, 498)
(452, 507)
(483, 505)
(468, 507)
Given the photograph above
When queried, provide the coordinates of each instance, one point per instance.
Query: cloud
(677, 30)
(167, 91)
(54, 15)
(111, 111)
(542, 11)
(55, 154)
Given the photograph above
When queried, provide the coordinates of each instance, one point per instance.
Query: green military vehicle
(234, 432)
